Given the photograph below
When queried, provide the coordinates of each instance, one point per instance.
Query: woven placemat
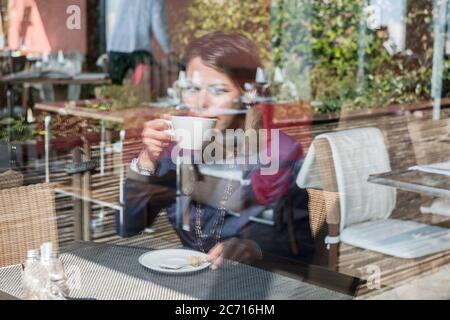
(111, 272)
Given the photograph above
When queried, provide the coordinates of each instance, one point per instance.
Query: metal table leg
(122, 170)
(47, 122)
(122, 181)
(102, 148)
(77, 202)
(86, 193)
(9, 103)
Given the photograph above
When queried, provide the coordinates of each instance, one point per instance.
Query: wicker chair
(324, 209)
(27, 219)
(10, 179)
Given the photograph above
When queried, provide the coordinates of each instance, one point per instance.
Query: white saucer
(172, 257)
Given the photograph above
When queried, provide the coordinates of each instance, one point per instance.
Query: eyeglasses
(219, 100)
(192, 89)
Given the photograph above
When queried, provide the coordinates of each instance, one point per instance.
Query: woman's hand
(155, 141)
(239, 250)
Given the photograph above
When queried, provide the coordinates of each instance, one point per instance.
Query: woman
(218, 67)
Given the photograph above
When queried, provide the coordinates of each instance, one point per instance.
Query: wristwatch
(136, 167)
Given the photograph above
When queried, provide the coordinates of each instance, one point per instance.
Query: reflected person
(219, 65)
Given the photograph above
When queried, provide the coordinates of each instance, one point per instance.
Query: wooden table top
(89, 80)
(120, 116)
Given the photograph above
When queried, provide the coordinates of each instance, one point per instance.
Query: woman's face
(211, 91)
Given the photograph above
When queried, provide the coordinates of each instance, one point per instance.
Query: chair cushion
(356, 154)
(398, 238)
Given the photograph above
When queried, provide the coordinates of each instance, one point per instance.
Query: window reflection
(309, 137)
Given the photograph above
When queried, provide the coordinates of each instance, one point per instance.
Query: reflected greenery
(320, 43)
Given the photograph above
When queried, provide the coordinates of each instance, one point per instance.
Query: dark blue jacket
(146, 196)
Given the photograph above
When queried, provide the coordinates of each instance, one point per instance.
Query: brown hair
(230, 53)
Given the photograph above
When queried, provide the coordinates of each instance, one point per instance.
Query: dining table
(113, 272)
(80, 186)
(428, 183)
(90, 79)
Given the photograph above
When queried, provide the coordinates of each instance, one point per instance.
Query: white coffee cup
(190, 132)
